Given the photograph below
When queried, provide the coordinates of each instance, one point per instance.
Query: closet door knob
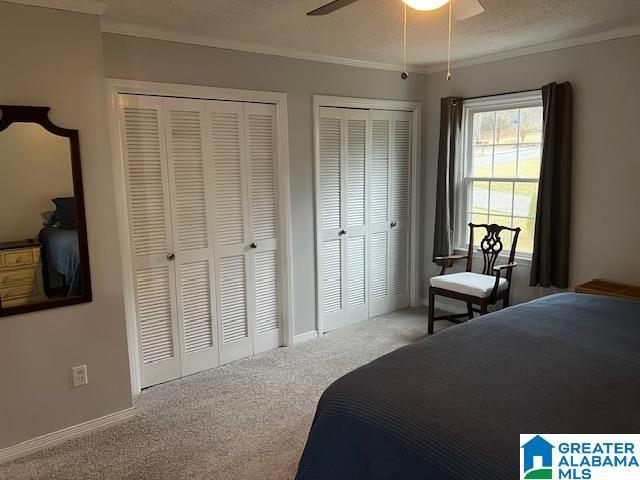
(342, 232)
(253, 245)
(171, 257)
(393, 224)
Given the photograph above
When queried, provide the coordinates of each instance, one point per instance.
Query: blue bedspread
(453, 405)
(62, 254)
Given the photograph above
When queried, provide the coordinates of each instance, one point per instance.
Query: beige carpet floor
(245, 420)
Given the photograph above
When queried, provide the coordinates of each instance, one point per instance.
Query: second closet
(363, 166)
(201, 183)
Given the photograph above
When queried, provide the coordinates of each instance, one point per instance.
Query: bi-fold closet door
(246, 247)
(343, 152)
(194, 170)
(363, 257)
(389, 222)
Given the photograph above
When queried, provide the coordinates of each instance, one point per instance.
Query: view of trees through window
(504, 169)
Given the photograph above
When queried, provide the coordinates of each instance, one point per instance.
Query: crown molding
(135, 30)
(92, 7)
(622, 32)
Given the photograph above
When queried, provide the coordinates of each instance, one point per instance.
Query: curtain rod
(501, 94)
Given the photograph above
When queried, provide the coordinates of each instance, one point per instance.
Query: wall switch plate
(79, 375)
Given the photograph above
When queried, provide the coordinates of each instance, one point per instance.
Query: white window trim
(469, 108)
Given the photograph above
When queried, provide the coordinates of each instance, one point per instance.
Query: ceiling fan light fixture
(425, 5)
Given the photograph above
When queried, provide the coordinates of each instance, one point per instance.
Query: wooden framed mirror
(44, 256)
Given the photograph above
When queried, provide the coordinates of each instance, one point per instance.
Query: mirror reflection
(39, 252)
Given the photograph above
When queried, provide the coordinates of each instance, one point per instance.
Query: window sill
(523, 260)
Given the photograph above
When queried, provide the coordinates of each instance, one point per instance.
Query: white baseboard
(303, 337)
(54, 438)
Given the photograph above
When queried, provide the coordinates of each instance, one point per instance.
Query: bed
(452, 406)
(61, 260)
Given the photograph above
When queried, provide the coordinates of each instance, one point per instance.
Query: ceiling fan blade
(331, 7)
(463, 9)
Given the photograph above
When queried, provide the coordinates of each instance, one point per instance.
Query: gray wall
(606, 193)
(53, 58)
(36, 167)
(159, 61)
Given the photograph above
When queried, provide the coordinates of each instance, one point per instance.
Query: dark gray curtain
(550, 263)
(450, 144)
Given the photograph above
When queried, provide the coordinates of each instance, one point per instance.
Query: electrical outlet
(79, 375)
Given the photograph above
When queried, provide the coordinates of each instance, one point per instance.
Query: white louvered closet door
(331, 255)
(400, 210)
(263, 261)
(192, 232)
(145, 162)
(225, 134)
(390, 216)
(379, 214)
(355, 196)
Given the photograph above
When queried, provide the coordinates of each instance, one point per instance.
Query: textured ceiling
(370, 30)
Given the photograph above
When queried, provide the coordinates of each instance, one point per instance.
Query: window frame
(464, 165)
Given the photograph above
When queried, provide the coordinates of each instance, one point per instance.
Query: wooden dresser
(609, 289)
(20, 273)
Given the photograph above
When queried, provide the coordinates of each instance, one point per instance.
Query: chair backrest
(491, 246)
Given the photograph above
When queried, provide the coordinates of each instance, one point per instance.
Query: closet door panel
(390, 172)
(145, 163)
(225, 126)
(379, 170)
(267, 301)
(199, 331)
(400, 209)
(224, 131)
(380, 213)
(332, 259)
(262, 174)
(379, 245)
(188, 175)
(357, 301)
(157, 325)
(260, 134)
(332, 279)
(357, 151)
(236, 337)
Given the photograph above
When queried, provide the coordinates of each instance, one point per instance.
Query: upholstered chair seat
(469, 283)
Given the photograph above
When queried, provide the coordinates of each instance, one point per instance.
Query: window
(501, 166)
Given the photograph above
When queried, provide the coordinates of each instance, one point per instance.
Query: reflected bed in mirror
(44, 261)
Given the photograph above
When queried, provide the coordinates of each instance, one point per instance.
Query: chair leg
(505, 302)
(431, 310)
(470, 310)
(483, 309)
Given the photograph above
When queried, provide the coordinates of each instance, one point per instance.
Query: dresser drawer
(18, 291)
(20, 258)
(27, 275)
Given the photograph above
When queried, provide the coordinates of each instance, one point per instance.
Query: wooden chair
(482, 289)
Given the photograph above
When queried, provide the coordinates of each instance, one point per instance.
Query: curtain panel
(550, 262)
(449, 148)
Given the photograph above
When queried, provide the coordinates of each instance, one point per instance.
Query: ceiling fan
(462, 9)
